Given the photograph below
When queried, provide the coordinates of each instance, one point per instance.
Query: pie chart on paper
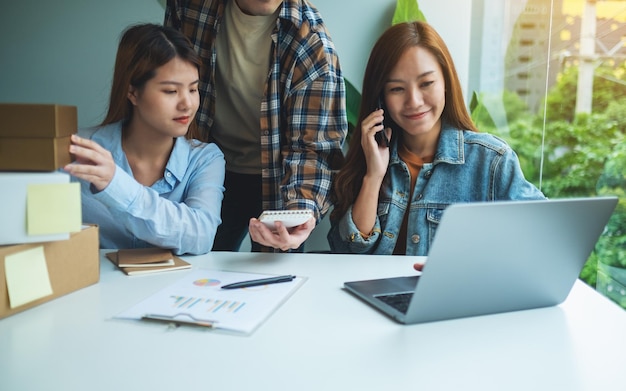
(206, 282)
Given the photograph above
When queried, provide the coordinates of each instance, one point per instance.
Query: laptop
(495, 257)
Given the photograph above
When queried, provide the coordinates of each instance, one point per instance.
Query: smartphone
(380, 136)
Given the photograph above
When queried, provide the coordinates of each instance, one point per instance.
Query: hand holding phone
(381, 139)
(380, 136)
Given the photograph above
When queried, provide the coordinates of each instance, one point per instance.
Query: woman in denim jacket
(390, 195)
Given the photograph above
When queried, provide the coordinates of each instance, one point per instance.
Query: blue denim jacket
(468, 167)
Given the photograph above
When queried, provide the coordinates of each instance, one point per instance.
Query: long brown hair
(142, 49)
(384, 56)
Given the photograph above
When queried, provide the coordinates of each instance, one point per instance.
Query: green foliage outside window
(583, 155)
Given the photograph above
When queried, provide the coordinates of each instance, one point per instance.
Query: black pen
(261, 281)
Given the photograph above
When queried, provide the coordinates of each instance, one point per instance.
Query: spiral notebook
(289, 218)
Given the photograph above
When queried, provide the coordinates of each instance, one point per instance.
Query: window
(562, 83)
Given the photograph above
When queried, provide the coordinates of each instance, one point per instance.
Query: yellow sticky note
(53, 208)
(27, 276)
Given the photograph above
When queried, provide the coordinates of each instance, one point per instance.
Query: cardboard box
(72, 264)
(20, 120)
(13, 205)
(34, 154)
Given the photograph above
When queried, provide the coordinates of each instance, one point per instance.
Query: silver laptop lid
(505, 256)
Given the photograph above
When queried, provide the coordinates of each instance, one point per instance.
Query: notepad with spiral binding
(289, 218)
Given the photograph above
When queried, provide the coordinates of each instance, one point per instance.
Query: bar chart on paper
(198, 298)
(207, 305)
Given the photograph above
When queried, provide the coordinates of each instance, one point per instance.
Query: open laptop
(494, 257)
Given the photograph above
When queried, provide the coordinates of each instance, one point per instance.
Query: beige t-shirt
(243, 54)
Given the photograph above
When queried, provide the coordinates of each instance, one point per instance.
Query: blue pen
(261, 281)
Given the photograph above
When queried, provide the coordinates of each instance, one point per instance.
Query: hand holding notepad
(289, 218)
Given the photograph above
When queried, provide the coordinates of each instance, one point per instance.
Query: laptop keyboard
(399, 301)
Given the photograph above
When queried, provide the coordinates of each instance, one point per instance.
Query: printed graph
(206, 282)
(198, 297)
(209, 305)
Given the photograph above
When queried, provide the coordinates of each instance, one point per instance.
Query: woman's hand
(377, 160)
(93, 163)
(376, 156)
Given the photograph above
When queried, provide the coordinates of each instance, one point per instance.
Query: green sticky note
(27, 276)
(53, 208)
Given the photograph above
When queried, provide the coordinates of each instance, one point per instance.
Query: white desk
(322, 338)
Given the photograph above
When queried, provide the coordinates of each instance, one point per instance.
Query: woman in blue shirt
(144, 181)
(390, 195)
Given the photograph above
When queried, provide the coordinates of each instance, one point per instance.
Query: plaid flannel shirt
(303, 116)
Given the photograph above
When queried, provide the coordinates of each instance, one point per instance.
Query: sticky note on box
(27, 276)
(53, 208)
(54, 203)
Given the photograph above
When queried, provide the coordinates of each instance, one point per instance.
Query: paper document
(198, 298)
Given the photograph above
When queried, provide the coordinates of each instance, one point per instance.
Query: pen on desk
(261, 281)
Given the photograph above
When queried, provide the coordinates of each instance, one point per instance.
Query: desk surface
(322, 338)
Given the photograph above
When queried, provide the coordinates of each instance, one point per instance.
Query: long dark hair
(384, 56)
(142, 49)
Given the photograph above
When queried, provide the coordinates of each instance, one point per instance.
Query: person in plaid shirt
(273, 99)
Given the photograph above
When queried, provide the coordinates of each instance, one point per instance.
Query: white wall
(356, 24)
(63, 51)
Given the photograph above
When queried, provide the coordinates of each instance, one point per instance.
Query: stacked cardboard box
(39, 243)
(35, 137)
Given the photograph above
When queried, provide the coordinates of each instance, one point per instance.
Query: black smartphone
(380, 136)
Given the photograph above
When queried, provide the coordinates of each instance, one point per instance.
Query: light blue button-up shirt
(180, 211)
(467, 167)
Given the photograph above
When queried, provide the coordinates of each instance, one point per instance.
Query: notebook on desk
(495, 257)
